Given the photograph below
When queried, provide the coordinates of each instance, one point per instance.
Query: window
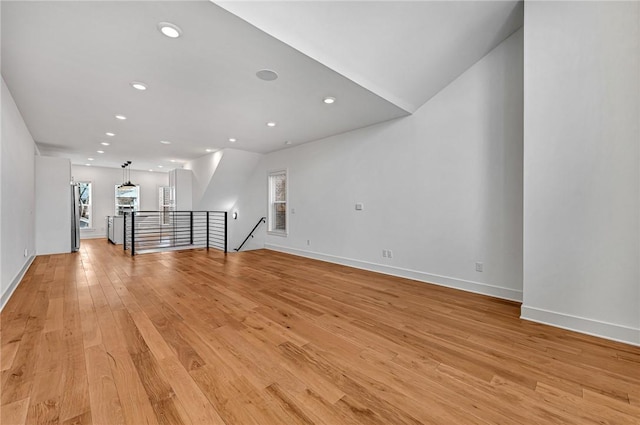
(277, 214)
(165, 203)
(86, 215)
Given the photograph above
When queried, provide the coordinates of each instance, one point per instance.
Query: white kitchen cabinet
(127, 199)
(115, 229)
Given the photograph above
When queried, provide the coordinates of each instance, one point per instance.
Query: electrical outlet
(308, 241)
(384, 253)
(359, 206)
(389, 253)
(26, 252)
(479, 267)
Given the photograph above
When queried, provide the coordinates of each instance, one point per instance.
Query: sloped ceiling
(69, 66)
(405, 51)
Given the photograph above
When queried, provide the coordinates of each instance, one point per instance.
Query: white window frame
(166, 205)
(90, 205)
(270, 216)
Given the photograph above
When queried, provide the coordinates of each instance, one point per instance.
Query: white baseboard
(583, 325)
(450, 282)
(14, 283)
(90, 236)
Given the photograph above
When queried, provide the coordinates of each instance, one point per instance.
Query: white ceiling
(405, 51)
(69, 64)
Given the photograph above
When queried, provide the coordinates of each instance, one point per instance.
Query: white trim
(14, 283)
(90, 183)
(450, 282)
(612, 331)
(277, 233)
(270, 173)
(99, 235)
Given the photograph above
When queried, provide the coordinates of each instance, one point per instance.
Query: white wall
(442, 188)
(202, 170)
(182, 183)
(582, 167)
(219, 177)
(53, 205)
(17, 189)
(104, 180)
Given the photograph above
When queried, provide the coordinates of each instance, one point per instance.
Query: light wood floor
(266, 338)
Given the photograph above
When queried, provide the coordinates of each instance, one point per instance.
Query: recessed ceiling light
(267, 75)
(169, 29)
(88, 165)
(271, 124)
(90, 159)
(150, 170)
(172, 160)
(159, 166)
(165, 142)
(138, 85)
(105, 143)
(329, 100)
(211, 150)
(121, 117)
(110, 134)
(232, 140)
(100, 151)
(287, 142)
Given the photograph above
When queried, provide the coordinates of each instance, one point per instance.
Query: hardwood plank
(90, 329)
(83, 419)
(8, 354)
(167, 408)
(287, 406)
(47, 387)
(18, 379)
(321, 411)
(105, 403)
(14, 413)
(610, 406)
(217, 385)
(75, 403)
(54, 315)
(196, 404)
(261, 337)
(255, 358)
(251, 400)
(136, 406)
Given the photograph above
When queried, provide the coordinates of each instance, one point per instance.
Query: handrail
(262, 220)
(155, 231)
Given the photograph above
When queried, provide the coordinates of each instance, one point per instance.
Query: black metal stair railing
(155, 231)
(250, 235)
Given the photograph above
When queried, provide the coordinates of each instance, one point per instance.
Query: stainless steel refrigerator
(75, 217)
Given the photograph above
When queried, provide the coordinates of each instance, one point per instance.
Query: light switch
(359, 207)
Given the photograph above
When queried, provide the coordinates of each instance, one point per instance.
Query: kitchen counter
(115, 229)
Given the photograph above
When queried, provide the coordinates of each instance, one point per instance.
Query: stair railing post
(133, 234)
(225, 232)
(190, 227)
(124, 237)
(207, 230)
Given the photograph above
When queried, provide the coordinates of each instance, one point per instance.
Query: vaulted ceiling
(70, 65)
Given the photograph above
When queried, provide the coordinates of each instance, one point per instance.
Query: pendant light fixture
(126, 176)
